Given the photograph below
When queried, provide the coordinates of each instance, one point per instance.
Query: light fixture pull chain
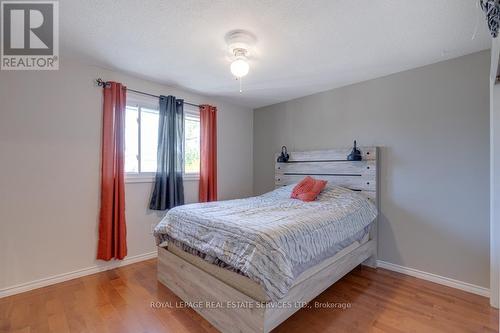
(240, 79)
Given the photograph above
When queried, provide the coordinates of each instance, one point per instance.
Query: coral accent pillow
(308, 189)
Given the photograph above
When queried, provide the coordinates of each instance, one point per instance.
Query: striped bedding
(270, 238)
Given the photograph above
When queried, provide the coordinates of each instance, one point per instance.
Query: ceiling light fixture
(239, 43)
(240, 66)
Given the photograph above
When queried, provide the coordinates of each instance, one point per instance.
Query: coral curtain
(168, 190)
(208, 151)
(112, 227)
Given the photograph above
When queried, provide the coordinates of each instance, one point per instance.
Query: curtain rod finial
(100, 82)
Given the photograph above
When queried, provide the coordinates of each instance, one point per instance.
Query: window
(141, 140)
(192, 142)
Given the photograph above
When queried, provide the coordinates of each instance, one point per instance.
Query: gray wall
(494, 175)
(50, 133)
(432, 124)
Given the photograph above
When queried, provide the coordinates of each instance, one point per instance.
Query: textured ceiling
(303, 47)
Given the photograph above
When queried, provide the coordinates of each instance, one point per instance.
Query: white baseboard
(20, 288)
(465, 286)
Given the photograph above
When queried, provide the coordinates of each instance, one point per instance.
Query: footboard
(224, 307)
(229, 310)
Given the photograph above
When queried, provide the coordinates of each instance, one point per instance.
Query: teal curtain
(168, 190)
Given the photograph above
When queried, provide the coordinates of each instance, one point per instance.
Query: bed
(247, 265)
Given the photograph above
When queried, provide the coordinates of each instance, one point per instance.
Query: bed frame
(228, 309)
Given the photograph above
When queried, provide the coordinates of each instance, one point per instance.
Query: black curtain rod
(102, 83)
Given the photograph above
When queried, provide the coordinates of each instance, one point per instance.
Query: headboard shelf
(334, 155)
(323, 174)
(318, 161)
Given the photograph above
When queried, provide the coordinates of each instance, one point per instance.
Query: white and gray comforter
(270, 238)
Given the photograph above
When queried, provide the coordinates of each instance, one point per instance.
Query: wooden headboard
(331, 165)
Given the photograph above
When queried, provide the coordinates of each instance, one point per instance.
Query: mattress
(249, 287)
(271, 239)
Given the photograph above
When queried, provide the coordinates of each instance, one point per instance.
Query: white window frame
(193, 112)
(140, 101)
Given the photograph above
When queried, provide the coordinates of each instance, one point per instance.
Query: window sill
(139, 179)
(191, 177)
(151, 179)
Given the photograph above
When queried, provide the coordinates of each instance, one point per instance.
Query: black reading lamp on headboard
(355, 154)
(283, 158)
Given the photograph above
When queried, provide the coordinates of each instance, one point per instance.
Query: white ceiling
(303, 47)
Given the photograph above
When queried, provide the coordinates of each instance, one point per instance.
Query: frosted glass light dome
(240, 67)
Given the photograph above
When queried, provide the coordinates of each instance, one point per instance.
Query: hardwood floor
(121, 301)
